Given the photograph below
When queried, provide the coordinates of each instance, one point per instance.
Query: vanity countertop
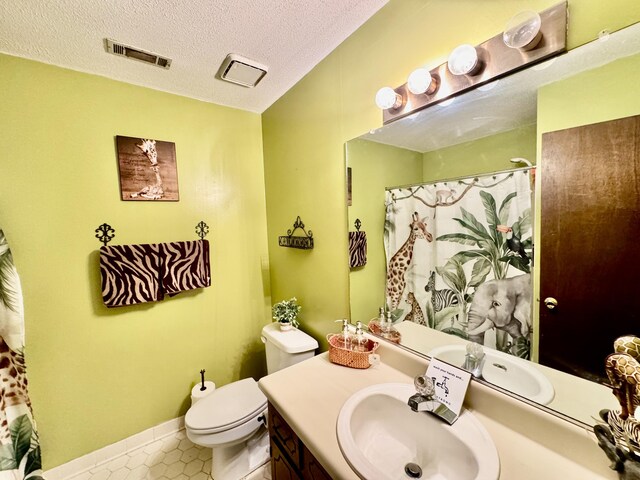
(532, 444)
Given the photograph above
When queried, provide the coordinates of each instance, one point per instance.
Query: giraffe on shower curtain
(19, 444)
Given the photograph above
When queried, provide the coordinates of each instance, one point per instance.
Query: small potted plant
(286, 313)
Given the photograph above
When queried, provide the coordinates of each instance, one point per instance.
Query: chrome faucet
(474, 359)
(424, 400)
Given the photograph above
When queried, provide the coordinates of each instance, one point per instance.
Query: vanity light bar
(494, 59)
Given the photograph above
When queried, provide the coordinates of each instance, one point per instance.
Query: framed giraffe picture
(147, 169)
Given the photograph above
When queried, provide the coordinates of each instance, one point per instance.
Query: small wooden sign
(147, 169)
(305, 243)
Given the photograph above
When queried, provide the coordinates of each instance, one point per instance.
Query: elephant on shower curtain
(19, 444)
(503, 304)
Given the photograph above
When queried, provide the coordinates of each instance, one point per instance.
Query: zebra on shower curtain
(460, 252)
(19, 444)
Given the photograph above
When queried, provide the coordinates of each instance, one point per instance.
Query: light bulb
(420, 81)
(522, 31)
(387, 98)
(463, 60)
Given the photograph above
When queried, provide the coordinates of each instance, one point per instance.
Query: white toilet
(231, 419)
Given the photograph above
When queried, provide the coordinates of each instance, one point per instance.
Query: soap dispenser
(386, 325)
(375, 325)
(388, 331)
(345, 338)
(359, 343)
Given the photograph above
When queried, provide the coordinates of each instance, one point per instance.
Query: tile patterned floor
(171, 458)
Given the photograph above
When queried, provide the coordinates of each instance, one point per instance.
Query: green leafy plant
(9, 287)
(20, 454)
(492, 252)
(287, 311)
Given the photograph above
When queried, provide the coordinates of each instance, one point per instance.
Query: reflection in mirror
(421, 169)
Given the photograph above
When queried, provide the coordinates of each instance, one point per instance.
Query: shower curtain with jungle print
(459, 258)
(19, 445)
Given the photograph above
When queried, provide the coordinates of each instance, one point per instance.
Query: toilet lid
(226, 407)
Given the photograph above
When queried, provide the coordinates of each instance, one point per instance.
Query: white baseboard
(103, 455)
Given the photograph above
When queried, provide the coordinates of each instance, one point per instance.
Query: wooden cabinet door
(590, 263)
(280, 467)
(311, 468)
(280, 430)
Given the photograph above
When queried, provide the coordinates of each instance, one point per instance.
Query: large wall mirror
(581, 105)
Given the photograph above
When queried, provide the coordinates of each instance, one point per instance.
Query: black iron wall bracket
(202, 229)
(291, 241)
(105, 233)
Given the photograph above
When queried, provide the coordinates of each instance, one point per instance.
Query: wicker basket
(349, 358)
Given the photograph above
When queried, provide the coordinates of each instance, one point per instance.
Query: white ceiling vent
(241, 71)
(123, 50)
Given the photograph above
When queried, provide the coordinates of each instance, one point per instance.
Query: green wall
(98, 375)
(374, 167)
(602, 94)
(488, 154)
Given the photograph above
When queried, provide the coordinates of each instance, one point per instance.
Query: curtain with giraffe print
(459, 258)
(19, 444)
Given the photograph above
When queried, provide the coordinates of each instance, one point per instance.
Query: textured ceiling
(503, 104)
(288, 36)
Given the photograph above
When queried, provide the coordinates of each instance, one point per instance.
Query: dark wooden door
(590, 243)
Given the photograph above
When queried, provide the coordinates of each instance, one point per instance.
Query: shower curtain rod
(446, 180)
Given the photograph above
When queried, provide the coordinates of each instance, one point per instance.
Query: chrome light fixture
(469, 66)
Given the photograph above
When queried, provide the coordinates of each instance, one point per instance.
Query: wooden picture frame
(147, 169)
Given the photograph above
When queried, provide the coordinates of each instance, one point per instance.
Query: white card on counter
(451, 384)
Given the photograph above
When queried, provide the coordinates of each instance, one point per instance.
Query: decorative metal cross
(202, 229)
(105, 233)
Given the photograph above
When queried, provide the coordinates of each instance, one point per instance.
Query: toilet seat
(226, 408)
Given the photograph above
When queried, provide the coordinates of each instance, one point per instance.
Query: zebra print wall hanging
(143, 273)
(357, 249)
(357, 246)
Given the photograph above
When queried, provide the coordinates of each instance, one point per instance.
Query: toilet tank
(286, 348)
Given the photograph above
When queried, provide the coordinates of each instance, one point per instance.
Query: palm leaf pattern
(492, 251)
(9, 286)
(21, 456)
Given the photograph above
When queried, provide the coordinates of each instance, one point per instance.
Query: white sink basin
(379, 435)
(504, 370)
